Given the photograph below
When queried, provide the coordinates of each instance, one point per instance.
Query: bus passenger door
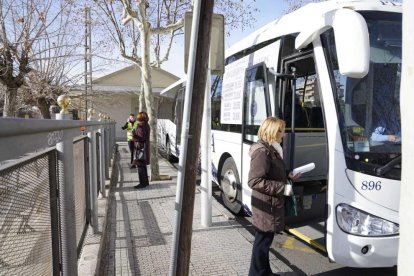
(305, 140)
(256, 108)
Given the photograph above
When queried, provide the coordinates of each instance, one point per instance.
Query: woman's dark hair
(142, 116)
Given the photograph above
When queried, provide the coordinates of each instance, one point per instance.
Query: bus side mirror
(351, 39)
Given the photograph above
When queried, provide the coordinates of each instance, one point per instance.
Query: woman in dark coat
(141, 134)
(267, 178)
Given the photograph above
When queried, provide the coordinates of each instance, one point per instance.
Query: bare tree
(55, 66)
(41, 89)
(155, 24)
(34, 35)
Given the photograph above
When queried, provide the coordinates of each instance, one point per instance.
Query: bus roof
(309, 15)
(171, 91)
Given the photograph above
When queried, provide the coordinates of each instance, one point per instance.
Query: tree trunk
(141, 99)
(142, 105)
(44, 107)
(10, 102)
(149, 99)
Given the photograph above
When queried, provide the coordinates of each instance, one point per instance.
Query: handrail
(21, 136)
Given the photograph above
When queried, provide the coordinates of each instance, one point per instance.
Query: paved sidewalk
(139, 230)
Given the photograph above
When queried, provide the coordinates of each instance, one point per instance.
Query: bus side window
(256, 102)
(216, 87)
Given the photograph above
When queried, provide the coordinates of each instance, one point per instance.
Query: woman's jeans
(131, 150)
(259, 265)
(143, 175)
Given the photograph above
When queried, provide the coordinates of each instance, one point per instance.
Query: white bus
(331, 70)
(169, 122)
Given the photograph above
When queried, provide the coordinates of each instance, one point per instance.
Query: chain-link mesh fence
(79, 173)
(25, 217)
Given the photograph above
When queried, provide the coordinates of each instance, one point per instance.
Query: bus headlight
(357, 222)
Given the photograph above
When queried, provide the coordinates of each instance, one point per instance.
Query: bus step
(312, 234)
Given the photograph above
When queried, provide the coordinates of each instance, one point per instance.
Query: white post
(406, 252)
(206, 189)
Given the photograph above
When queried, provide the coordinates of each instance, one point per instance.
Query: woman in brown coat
(267, 178)
(141, 134)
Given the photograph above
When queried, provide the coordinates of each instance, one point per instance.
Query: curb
(108, 211)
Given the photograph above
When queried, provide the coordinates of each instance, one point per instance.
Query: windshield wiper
(387, 167)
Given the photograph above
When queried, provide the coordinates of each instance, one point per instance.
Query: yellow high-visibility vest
(129, 129)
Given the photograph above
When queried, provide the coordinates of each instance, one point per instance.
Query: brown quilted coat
(140, 135)
(267, 177)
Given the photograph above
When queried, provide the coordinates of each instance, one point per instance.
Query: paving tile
(142, 225)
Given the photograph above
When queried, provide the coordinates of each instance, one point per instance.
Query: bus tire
(170, 157)
(231, 192)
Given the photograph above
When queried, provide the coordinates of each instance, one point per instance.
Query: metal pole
(102, 160)
(86, 62)
(107, 150)
(54, 212)
(90, 51)
(199, 49)
(184, 137)
(206, 189)
(67, 199)
(92, 180)
(67, 207)
(111, 142)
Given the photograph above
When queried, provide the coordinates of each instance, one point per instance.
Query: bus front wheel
(170, 156)
(231, 192)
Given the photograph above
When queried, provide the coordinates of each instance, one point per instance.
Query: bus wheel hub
(229, 185)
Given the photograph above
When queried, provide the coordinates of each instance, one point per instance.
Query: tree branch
(168, 28)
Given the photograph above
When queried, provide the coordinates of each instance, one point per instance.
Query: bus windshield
(368, 108)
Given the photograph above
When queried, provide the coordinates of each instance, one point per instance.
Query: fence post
(67, 195)
(107, 153)
(93, 176)
(67, 207)
(102, 160)
(112, 138)
(54, 212)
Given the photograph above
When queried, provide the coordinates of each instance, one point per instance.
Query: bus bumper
(357, 251)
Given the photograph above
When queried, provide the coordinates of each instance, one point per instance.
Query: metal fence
(25, 217)
(48, 191)
(80, 171)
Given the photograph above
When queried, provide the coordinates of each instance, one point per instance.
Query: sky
(269, 10)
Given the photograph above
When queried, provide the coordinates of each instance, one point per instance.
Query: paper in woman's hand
(304, 168)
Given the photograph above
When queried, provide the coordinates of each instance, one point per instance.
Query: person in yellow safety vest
(129, 125)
